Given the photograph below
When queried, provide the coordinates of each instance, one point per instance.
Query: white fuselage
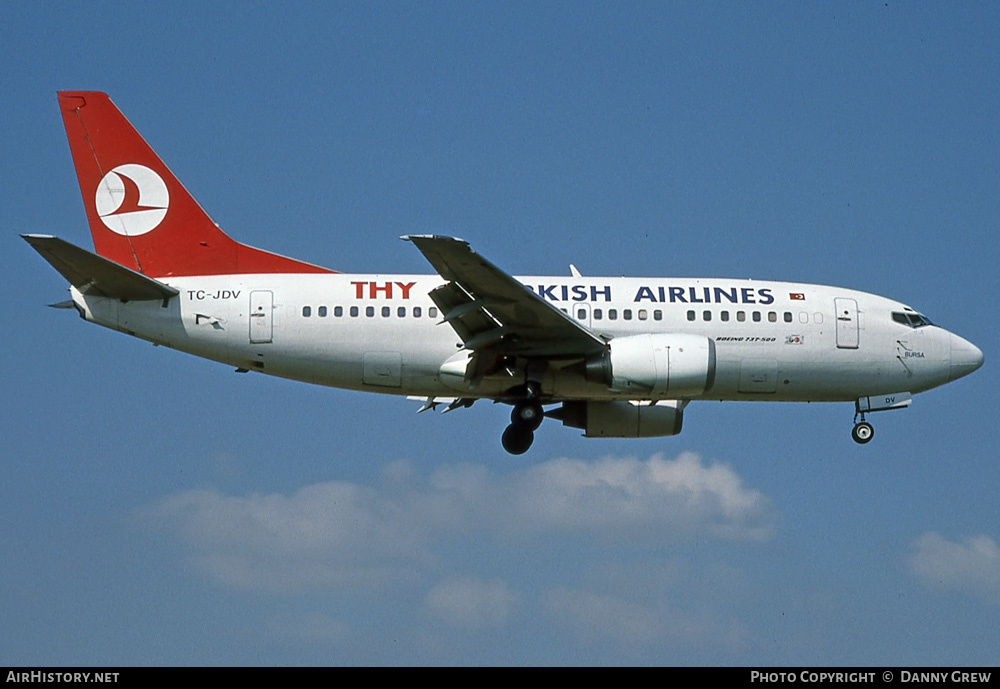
(382, 333)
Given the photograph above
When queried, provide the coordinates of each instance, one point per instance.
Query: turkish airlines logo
(132, 200)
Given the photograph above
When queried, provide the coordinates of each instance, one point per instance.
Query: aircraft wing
(490, 310)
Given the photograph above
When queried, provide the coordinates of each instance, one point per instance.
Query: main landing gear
(525, 419)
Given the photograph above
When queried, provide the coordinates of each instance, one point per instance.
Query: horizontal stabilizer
(93, 274)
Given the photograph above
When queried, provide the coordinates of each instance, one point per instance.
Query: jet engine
(655, 366)
(622, 419)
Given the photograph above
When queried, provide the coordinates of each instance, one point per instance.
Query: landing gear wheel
(862, 433)
(528, 415)
(517, 439)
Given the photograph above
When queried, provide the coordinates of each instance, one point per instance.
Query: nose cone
(965, 357)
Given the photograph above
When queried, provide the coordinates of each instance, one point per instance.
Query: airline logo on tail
(132, 200)
(125, 206)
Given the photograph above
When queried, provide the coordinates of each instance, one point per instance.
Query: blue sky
(159, 509)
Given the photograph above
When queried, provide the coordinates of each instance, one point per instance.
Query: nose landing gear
(862, 432)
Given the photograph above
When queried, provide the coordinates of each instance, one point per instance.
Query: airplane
(615, 357)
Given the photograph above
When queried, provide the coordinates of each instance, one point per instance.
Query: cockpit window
(911, 319)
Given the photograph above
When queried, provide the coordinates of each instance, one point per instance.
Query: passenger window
(581, 314)
(643, 315)
(724, 316)
(612, 314)
(756, 316)
(741, 316)
(707, 315)
(321, 311)
(598, 314)
(354, 312)
(788, 316)
(386, 311)
(627, 314)
(772, 317)
(657, 315)
(401, 312)
(818, 317)
(306, 311)
(691, 315)
(803, 317)
(417, 311)
(338, 311)
(432, 312)
(369, 311)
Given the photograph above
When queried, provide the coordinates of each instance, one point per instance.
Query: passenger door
(846, 312)
(261, 307)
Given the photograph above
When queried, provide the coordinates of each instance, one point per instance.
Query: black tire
(863, 433)
(517, 439)
(528, 415)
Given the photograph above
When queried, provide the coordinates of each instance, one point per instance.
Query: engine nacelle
(623, 419)
(656, 366)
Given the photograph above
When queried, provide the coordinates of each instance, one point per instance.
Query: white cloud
(469, 602)
(971, 565)
(681, 496)
(324, 535)
(329, 535)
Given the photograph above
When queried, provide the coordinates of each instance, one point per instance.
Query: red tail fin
(140, 215)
